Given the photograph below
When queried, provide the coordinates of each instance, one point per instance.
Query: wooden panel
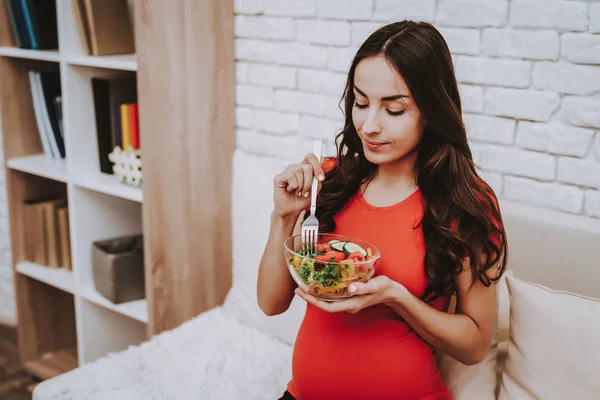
(6, 34)
(186, 84)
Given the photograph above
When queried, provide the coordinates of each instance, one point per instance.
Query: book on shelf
(130, 133)
(34, 226)
(134, 123)
(46, 232)
(33, 23)
(116, 116)
(47, 105)
(64, 239)
(105, 26)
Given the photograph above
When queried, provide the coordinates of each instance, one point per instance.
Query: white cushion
(554, 347)
(479, 381)
(208, 357)
(470, 382)
(251, 216)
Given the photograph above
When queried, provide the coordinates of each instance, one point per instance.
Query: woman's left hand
(380, 289)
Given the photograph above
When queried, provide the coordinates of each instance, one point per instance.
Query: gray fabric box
(118, 268)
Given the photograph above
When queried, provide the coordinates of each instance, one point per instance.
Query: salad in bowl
(327, 270)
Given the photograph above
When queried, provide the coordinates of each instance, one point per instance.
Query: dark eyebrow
(387, 98)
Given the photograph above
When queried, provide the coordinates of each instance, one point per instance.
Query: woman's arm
(275, 285)
(466, 335)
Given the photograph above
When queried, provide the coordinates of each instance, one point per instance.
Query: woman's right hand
(293, 185)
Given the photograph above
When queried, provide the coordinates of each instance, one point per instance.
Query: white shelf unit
(126, 62)
(44, 55)
(58, 278)
(40, 165)
(100, 207)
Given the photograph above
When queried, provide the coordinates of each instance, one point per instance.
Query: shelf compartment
(83, 151)
(98, 216)
(118, 331)
(57, 277)
(40, 165)
(46, 327)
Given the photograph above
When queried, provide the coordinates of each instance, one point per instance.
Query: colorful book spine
(125, 127)
(134, 125)
(118, 141)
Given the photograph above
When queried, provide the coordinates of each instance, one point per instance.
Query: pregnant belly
(384, 360)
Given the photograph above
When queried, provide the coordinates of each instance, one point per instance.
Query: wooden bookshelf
(63, 322)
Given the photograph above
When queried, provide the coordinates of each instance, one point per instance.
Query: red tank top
(372, 354)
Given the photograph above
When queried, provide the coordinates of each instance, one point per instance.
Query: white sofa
(236, 352)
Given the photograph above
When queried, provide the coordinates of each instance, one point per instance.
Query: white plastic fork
(310, 226)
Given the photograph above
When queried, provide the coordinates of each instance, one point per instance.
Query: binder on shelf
(51, 88)
(37, 108)
(105, 26)
(45, 88)
(109, 94)
(45, 116)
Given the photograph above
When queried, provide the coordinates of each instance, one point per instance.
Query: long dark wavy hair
(461, 214)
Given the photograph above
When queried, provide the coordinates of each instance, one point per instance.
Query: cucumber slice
(338, 246)
(350, 247)
(332, 241)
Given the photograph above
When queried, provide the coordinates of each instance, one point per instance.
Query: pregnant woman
(403, 179)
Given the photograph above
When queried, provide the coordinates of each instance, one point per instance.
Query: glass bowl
(326, 271)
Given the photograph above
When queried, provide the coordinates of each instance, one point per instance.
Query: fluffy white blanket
(209, 357)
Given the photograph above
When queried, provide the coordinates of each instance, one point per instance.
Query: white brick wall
(582, 48)
(556, 15)
(520, 104)
(529, 74)
(520, 44)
